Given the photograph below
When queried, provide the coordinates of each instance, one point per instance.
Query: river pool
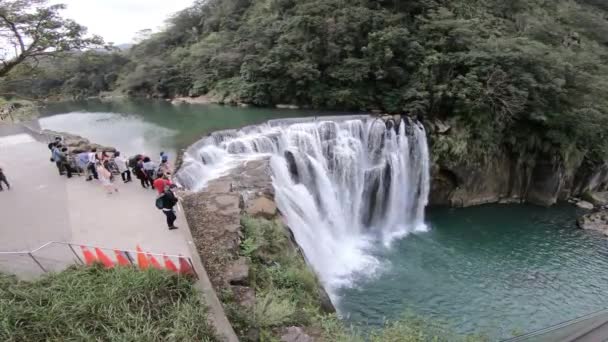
(496, 270)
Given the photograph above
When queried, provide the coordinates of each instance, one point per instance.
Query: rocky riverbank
(75, 143)
(597, 217)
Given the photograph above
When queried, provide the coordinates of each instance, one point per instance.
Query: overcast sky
(117, 21)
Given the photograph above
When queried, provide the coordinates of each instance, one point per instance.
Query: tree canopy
(522, 74)
(31, 29)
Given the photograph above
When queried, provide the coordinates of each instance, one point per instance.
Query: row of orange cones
(144, 260)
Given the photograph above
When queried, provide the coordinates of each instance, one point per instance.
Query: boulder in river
(584, 205)
(597, 221)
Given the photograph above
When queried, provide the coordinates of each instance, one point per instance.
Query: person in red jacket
(161, 182)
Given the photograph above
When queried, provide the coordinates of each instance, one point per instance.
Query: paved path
(43, 206)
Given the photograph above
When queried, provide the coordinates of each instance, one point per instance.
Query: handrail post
(36, 261)
(76, 254)
(129, 257)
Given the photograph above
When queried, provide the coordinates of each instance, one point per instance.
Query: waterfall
(342, 183)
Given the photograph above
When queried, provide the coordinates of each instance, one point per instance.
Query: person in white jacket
(123, 167)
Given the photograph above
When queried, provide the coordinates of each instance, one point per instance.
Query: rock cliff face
(214, 217)
(540, 178)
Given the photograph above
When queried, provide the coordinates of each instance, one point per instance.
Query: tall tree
(31, 28)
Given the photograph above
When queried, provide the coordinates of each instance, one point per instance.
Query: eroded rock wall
(537, 177)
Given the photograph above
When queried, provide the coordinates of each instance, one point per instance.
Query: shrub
(274, 308)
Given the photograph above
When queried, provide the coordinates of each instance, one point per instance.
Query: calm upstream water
(495, 270)
(148, 127)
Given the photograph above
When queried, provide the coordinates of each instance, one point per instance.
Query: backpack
(159, 203)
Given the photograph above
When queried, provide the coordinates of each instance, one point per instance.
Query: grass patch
(287, 291)
(94, 304)
(287, 294)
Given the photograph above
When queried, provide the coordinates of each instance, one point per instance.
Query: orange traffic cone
(169, 264)
(142, 261)
(184, 266)
(121, 258)
(89, 257)
(154, 262)
(105, 260)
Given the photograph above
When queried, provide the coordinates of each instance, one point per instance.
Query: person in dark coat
(139, 172)
(65, 164)
(3, 180)
(169, 201)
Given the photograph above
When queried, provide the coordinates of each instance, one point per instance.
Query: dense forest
(531, 73)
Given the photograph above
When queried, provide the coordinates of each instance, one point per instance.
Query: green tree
(30, 29)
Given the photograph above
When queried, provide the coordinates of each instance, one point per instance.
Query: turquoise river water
(496, 270)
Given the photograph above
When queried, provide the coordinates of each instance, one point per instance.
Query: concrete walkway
(43, 206)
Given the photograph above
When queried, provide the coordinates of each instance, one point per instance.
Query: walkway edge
(217, 315)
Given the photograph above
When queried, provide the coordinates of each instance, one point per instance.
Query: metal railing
(55, 256)
(570, 330)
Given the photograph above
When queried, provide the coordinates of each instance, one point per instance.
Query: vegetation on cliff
(287, 294)
(94, 304)
(524, 74)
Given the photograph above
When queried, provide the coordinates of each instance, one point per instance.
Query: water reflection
(149, 126)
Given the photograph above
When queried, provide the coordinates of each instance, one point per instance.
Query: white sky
(117, 21)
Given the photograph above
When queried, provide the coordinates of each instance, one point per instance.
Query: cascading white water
(342, 183)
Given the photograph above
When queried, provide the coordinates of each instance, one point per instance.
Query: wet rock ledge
(597, 218)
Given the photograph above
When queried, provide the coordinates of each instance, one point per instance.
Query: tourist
(105, 177)
(91, 166)
(149, 169)
(164, 167)
(65, 163)
(52, 146)
(169, 200)
(82, 160)
(3, 180)
(161, 182)
(123, 168)
(139, 172)
(56, 157)
(163, 157)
